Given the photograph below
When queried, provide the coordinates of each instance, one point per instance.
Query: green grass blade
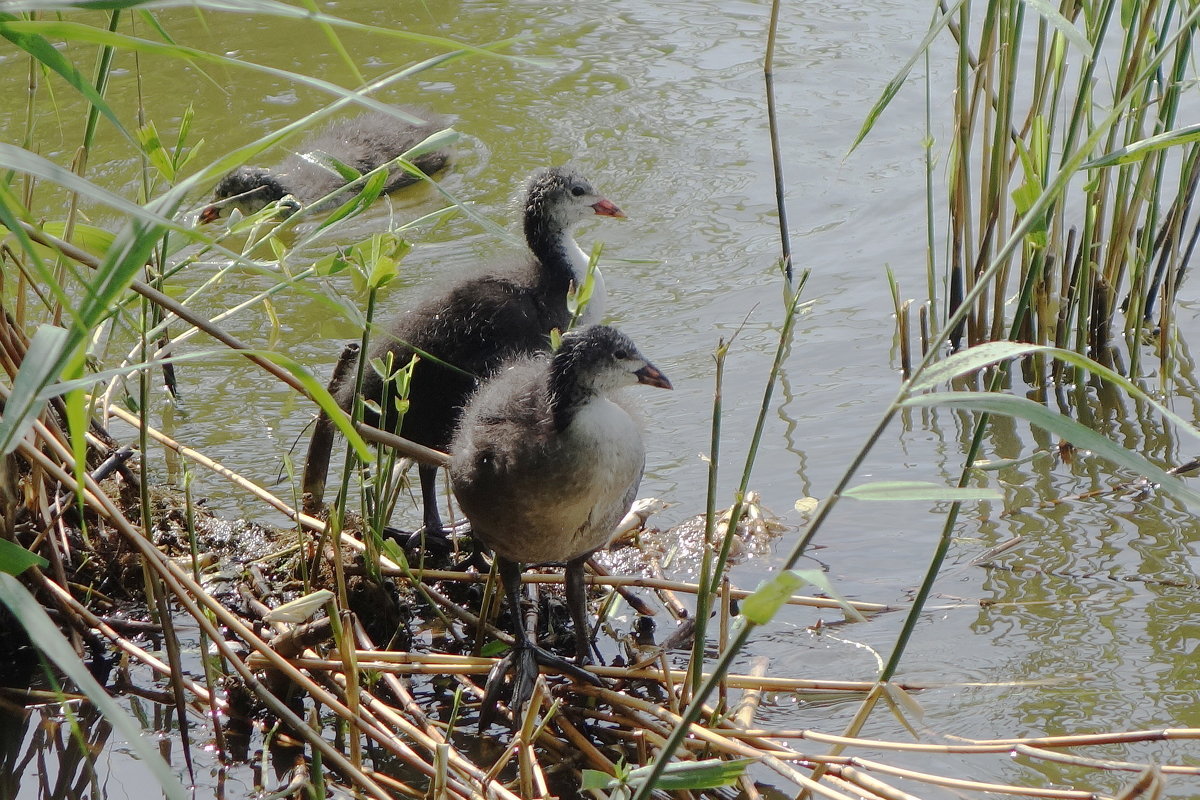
(893, 86)
(1062, 25)
(967, 361)
(43, 363)
(49, 56)
(15, 559)
(1144, 147)
(919, 490)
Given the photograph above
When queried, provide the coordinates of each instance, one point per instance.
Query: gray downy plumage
(544, 464)
(365, 143)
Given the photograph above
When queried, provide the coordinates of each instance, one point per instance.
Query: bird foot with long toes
(435, 542)
(523, 662)
(478, 558)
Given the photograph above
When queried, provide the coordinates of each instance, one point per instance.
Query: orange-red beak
(209, 214)
(651, 376)
(606, 208)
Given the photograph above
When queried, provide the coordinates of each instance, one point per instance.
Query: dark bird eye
(621, 355)
(577, 190)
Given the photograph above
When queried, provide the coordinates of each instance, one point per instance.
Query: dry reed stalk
(405, 663)
(806, 783)
(399, 786)
(838, 763)
(388, 568)
(742, 715)
(858, 789)
(124, 645)
(589, 750)
(649, 583)
(429, 735)
(980, 745)
(857, 780)
(1101, 763)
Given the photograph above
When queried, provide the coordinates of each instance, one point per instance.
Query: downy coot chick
(480, 324)
(544, 465)
(364, 143)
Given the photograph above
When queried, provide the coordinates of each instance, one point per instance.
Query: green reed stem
(776, 154)
(703, 598)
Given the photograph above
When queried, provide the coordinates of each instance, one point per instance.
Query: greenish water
(1089, 619)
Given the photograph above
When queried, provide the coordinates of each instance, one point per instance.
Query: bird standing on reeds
(544, 465)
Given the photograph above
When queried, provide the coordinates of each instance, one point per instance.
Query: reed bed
(414, 707)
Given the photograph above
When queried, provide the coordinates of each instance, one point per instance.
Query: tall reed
(1032, 85)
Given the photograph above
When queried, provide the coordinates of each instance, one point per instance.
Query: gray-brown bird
(545, 463)
(364, 143)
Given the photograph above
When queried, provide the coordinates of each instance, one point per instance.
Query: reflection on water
(1087, 623)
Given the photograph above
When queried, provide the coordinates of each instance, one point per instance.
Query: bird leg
(432, 537)
(577, 603)
(429, 500)
(525, 657)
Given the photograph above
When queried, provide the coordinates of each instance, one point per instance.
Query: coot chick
(364, 143)
(480, 324)
(544, 465)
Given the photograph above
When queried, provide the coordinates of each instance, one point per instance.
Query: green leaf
(49, 56)
(435, 141)
(919, 490)
(964, 362)
(319, 158)
(394, 553)
(366, 195)
(43, 362)
(317, 391)
(493, 649)
(761, 606)
(996, 351)
(157, 154)
(595, 779)
(15, 559)
(1062, 25)
(17, 158)
(819, 579)
(1065, 427)
(94, 240)
(711, 773)
(1144, 147)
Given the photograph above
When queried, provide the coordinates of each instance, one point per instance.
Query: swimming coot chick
(480, 324)
(544, 465)
(364, 143)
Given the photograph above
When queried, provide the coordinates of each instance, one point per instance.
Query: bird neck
(567, 394)
(551, 242)
(564, 262)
